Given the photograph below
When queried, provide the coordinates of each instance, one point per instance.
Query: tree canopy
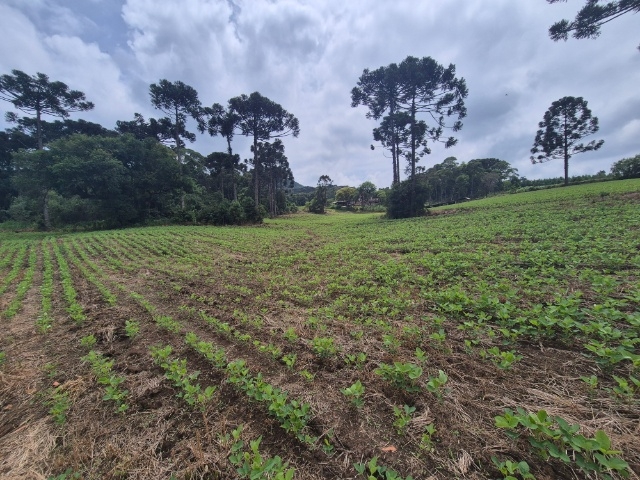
(565, 123)
(40, 96)
(178, 101)
(591, 17)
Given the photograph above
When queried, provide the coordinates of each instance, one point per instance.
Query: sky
(307, 55)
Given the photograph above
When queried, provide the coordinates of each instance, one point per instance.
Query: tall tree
(262, 119)
(430, 89)
(224, 122)
(178, 101)
(40, 96)
(319, 201)
(379, 90)
(591, 17)
(565, 123)
(277, 173)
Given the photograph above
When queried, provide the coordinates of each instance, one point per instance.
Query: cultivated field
(452, 346)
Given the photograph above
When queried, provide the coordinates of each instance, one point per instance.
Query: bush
(627, 168)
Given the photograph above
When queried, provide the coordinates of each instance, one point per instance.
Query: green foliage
(372, 471)
(68, 474)
(293, 415)
(253, 465)
(435, 384)
(59, 403)
(401, 375)
(407, 199)
(512, 470)
(176, 371)
(426, 441)
(131, 328)
(502, 359)
(324, 347)
(88, 342)
(355, 393)
(403, 417)
(627, 168)
(3, 358)
(103, 370)
(553, 437)
(565, 123)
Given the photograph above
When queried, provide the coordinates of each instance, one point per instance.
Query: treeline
(74, 172)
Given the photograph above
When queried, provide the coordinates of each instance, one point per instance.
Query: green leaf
(604, 441)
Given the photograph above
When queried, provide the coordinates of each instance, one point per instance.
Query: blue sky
(307, 55)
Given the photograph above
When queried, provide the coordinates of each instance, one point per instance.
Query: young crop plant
(109, 297)
(45, 320)
(73, 307)
(553, 437)
(290, 335)
(215, 355)
(176, 371)
(355, 393)
(253, 465)
(426, 441)
(103, 371)
(357, 359)
(372, 471)
(88, 342)
(131, 328)
(59, 403)
(390, 343)
(403, 418)
(501, 359)
(293, 415)
(324, 347)
(23, 286)
(436, 384)
(167, 323)
(3, 358)
(626, 389)
(512, 470)
(15, 269)
(289, 360)
(401, 375)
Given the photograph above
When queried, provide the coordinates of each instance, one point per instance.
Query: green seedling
(403, 417)
(436, 384)
(401, 375)
(355, 393)
(88, 342)
(131, 328)
(512, 470)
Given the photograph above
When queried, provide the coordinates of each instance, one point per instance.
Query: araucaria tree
(40, 96)
(567, 121)
(262, 119)
(178, 101)
(591, 17)
(421, 99)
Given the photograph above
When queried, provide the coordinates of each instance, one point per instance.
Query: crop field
(493, 339)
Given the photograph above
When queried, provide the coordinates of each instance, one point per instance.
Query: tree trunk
(45, 211)
(566, 154)
(39, 129)
(256, 189)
